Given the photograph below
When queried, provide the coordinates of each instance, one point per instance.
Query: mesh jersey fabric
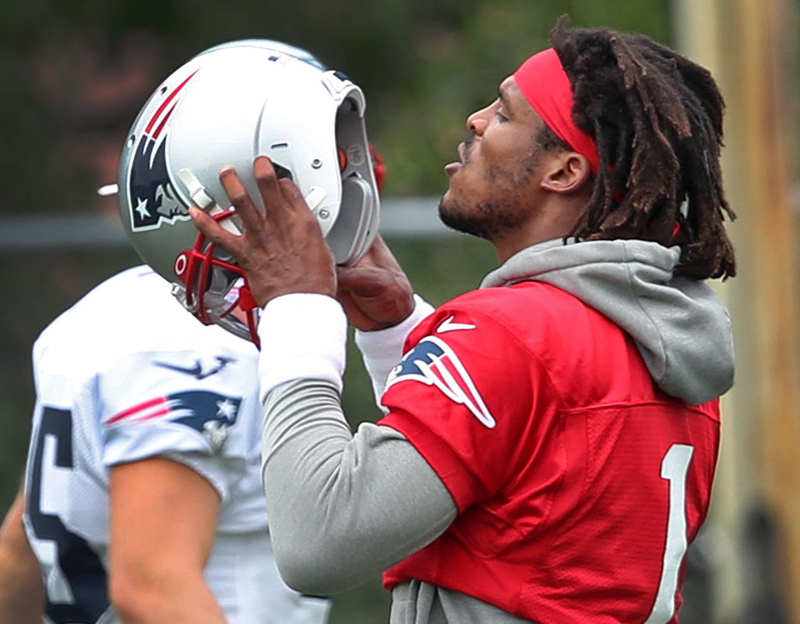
(541, 418)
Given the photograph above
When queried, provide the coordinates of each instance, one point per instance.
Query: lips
(451, 168)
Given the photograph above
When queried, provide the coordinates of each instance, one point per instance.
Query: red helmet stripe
(166, 103)
(164, 121)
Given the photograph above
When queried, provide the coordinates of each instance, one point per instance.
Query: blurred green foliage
(424, 65)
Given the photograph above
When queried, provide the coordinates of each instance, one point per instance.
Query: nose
(478, 121)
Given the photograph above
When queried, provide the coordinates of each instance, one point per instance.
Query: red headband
(545, 85)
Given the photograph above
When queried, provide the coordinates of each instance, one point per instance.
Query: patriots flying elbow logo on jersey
(153, 198)
(434, 363)
(208, 413)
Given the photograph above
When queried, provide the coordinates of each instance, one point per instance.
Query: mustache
(468, 145)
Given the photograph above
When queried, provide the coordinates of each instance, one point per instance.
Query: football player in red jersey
(550, 440)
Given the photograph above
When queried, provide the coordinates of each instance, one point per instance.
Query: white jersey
(128, 374)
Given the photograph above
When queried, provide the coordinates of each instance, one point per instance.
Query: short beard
(487, 220)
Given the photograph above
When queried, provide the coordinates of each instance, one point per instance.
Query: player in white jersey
(143, 493)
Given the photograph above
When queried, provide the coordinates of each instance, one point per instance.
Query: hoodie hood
(681, 327)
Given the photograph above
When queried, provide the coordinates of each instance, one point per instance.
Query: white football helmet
(227, 106)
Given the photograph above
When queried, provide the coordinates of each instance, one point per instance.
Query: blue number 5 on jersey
(82, 569)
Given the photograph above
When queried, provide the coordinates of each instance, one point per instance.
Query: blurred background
(74, 75)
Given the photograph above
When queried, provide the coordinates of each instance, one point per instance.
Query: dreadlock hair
(657, 120)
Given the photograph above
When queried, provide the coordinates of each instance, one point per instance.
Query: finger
(362, 281)
(292, 195)
(267, 181)
(216, 233)
(240, 199)
(380, 253)
(355, 315)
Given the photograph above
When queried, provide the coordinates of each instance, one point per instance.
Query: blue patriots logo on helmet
(153, 198)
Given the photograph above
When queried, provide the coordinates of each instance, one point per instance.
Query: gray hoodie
(344, 507)
(681, 326)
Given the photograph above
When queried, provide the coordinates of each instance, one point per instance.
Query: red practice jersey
(579, 483)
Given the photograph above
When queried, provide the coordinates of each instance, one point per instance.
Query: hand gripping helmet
(227, 106)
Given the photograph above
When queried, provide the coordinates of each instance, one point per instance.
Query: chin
(455, 216)
(449, 208)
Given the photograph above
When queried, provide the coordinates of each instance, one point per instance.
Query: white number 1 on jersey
(673, 468)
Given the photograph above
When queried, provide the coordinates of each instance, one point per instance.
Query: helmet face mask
(227, 106)
(214, 288)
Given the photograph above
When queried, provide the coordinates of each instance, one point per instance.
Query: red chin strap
(545, 85)
(193, 268)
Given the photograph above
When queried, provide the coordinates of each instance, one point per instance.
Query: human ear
(568, 173)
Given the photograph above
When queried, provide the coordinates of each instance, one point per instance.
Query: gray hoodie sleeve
(342, 507)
